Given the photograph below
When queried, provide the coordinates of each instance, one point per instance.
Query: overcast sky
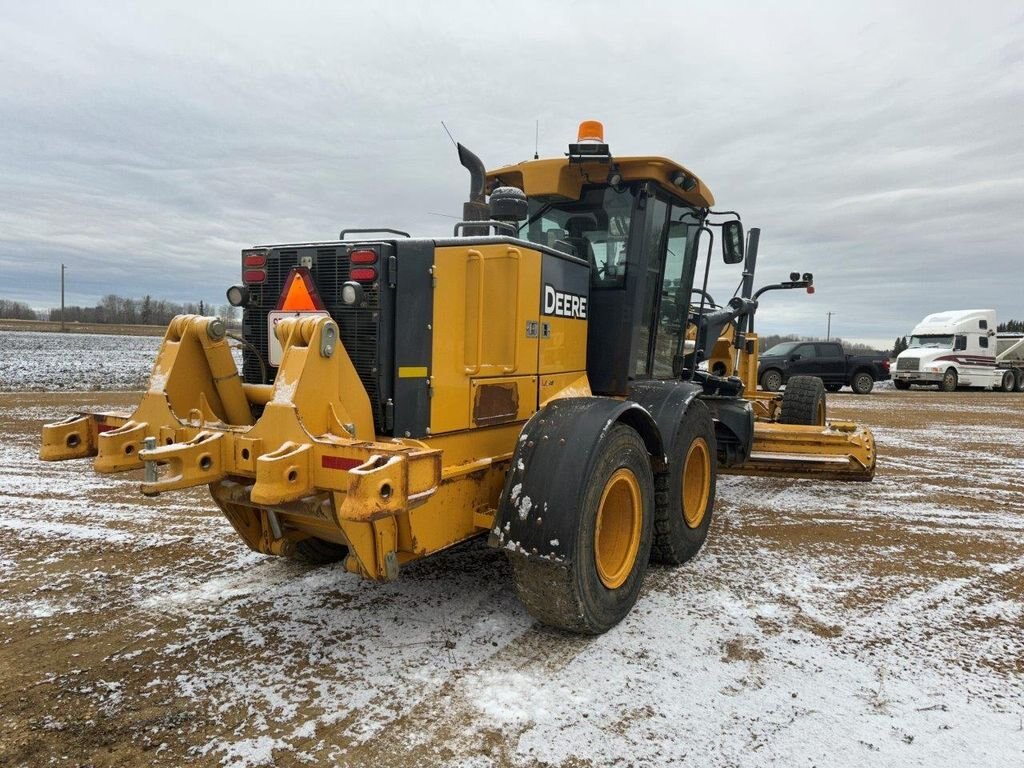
(879, 146)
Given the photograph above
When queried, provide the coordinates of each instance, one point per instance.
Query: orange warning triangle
(300, 293)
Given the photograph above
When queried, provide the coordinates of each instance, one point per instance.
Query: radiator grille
(359, 326)
(908, 364)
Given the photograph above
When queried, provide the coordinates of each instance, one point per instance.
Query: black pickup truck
(824, 359)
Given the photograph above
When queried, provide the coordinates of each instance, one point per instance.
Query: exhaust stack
(476, 208)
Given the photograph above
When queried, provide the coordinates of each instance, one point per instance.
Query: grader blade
(841, 450)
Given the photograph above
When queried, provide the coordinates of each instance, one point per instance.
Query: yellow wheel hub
(617, 532)
(696, 482)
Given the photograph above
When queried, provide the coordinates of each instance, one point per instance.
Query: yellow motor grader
(531, 378)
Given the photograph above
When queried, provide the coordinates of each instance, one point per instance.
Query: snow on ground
(76, 362)
(823, 624)
(73, 361)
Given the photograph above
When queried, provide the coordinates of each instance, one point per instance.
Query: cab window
(595, 228)
(805, 351)
(672, 272)
(654, 247)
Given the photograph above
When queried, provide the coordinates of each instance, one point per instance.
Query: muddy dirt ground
(823, 624)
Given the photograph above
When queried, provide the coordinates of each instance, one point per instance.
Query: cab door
(803, 361)
(831, 362)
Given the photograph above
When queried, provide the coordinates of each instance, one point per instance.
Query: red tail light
(254, 264)
(364, 274)
(364, 257)
(885, 364)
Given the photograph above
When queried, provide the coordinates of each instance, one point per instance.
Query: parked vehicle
(825, 359)
(961, 348)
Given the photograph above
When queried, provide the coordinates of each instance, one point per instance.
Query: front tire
(949, 381)
(771, 381)
(685, 494)
(900, 384)
(596, 590)
(803, 402)
(833, 386)
(314, 551)
(862, 383)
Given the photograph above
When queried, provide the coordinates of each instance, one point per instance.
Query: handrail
(515, 255)
(474, 254)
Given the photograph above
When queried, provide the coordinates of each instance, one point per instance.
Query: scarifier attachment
(311, 464)
(841, 450)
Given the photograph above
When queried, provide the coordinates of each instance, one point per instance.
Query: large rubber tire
(602, 582)
(901, 384)
(833, 386)
(684, 496)
(1009, 381)
(949, 381)
(1019, 385)
(862, 382)
(803, 402)
(771, 380)
(314, 551)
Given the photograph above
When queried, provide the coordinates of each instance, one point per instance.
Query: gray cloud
(877, 146)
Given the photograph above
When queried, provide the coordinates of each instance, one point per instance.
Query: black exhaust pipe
(477, 174)
(476, 208)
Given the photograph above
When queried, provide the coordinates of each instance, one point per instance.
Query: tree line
(16, 310)
(117, 309)
(850, 347)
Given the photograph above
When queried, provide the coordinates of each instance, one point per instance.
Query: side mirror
(732, 242)
(794, 358)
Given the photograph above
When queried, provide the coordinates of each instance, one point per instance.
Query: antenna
(455, 143)
(536, 143)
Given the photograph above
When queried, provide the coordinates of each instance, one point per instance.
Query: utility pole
(62, 268)
(828, 332)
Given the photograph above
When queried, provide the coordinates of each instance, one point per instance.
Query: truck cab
(951, 349)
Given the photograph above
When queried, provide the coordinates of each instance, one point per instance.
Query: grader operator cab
(545, 376)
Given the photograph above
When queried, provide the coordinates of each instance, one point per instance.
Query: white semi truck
(961, 348)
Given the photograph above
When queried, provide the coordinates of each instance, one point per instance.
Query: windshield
(595, 228)
(935, 340)
(781, 349)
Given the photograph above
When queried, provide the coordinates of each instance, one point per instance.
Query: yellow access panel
(486, 316)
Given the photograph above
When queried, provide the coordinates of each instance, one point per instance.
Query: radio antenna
(454, 142)
(536, 143)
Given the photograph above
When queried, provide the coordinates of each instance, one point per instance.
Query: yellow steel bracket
(198, 461)
(378, 480)
(377, 488)
(118, 449)
(284, 474)
(317, 390)
(194, 379)
(71, 438)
